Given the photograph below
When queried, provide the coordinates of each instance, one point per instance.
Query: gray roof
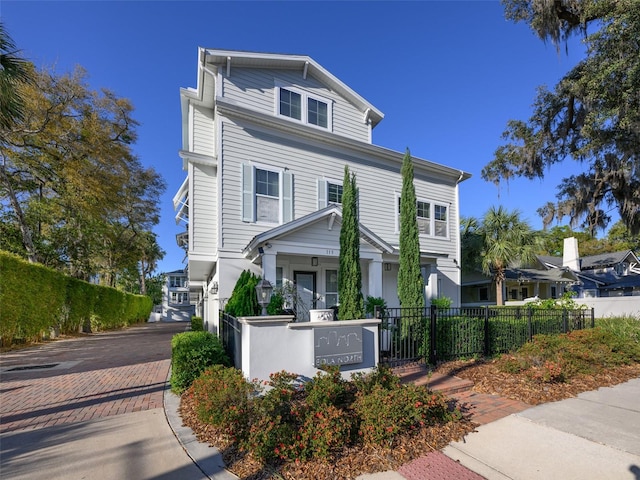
(590, 262)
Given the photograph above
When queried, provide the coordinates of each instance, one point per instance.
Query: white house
(176, 305)
(265, 139)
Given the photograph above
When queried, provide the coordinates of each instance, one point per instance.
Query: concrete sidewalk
(594, 436)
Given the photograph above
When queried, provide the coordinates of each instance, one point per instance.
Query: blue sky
(448, 75)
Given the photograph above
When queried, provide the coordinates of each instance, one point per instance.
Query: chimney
(570, 255)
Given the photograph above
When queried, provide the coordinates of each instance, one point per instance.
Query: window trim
(304, 101)
(432, 220)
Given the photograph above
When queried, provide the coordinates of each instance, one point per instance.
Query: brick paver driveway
(85, 378)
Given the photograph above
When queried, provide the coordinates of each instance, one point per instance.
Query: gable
(318, 230)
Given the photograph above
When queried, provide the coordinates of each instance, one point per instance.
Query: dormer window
(305, 107)
(317, 112)
(290, 104)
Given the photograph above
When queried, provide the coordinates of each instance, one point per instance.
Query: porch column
(430, 275)
(375, 278)
(269, 267)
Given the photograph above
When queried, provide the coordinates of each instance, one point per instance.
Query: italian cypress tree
(410, 282)
(349, 274)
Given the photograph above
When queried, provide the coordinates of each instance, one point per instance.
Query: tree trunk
(25, 231)
(499, 296)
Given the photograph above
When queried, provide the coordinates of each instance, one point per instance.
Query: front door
(305, 294)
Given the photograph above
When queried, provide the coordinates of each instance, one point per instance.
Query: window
(179, 297)
(331, 288)
(554, 291)
(422, 212)
(334, 193)
(317, 112)
(432, 218)
(176, 282)
(329, 192)
(290, 104)
(267, 195)
(440, 220)
(483, 293)
(303, 106)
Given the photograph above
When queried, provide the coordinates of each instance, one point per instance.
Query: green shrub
(291, 421)
(386, 413)
(276, 304)
(274, 429)
(243, 301)
(326, 388)
(225, 399)
(557, 358)
(380, 376)
(191, 354)
(441, 302)
(197, 324)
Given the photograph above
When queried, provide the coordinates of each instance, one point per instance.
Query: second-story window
(432, 218)
(423, 216)
(305, 107)
(334, 193)
(267, 196)
(329, 192)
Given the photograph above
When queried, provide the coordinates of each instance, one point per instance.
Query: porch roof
(330, 213)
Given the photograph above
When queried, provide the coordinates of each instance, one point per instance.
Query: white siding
(255, 89)
(377, 182)
(204, 217)
(203, 131)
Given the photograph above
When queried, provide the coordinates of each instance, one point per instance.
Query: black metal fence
(231, 336)
(434, 334)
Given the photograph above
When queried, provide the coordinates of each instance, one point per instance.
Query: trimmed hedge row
(35, 299)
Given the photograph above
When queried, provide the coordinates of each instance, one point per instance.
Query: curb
(207, 459)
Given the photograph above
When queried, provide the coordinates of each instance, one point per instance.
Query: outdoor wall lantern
(264, 291)
(314, 261)
(214, 288)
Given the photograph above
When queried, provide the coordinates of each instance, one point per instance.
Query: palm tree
(14, 71)
(507, 240)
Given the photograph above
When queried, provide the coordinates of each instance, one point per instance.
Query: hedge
(35, 299)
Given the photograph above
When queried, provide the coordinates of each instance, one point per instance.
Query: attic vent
(33, 367)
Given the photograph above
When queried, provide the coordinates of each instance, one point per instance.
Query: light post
(264, 291)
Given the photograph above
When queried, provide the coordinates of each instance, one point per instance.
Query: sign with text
(337, 346)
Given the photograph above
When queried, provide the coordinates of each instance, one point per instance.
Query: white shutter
(287, 197)
(248, 193)
(322, 193)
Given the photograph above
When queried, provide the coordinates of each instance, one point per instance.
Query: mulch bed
(487, 378)
(351, 462)
(347, 464)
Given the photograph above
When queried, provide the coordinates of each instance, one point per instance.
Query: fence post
(487, 340)
(529, 323)
(433, 354)
(593, 318)
(565, 320)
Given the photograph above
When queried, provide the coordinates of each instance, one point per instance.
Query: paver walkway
(85, 378)
(480, 408)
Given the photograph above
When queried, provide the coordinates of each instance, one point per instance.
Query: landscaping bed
(550, 368)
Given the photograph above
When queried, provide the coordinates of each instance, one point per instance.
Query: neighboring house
(614, 274)
(265, 140)
(176, 305)
(604, 275)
